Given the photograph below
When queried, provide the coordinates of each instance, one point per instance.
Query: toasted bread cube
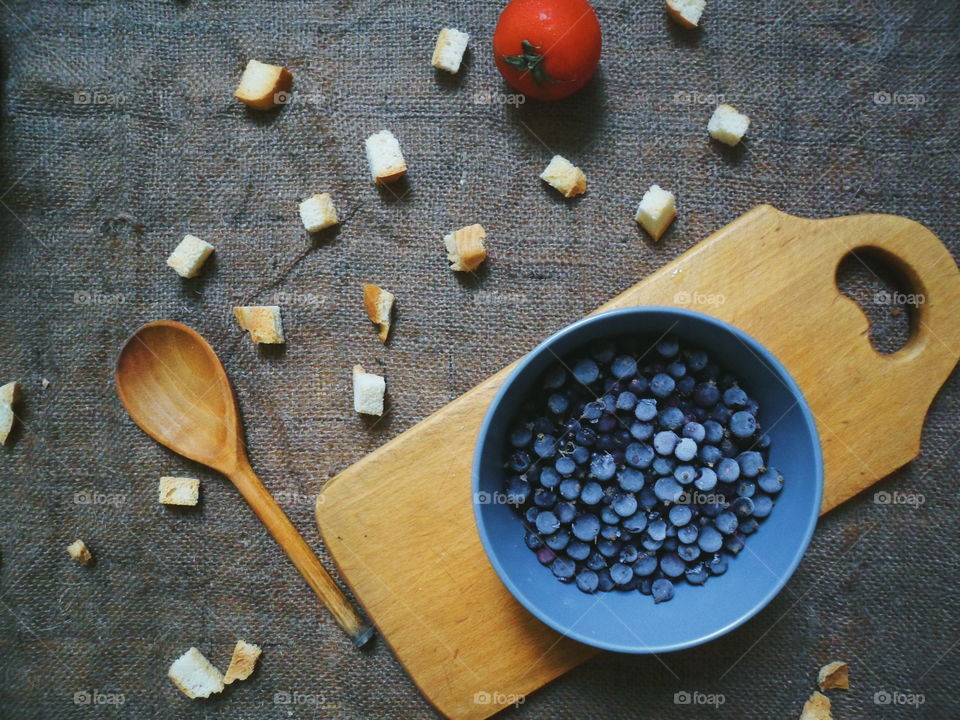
(565, 177)
(263, 322)
(189, 256)
(80, 552)
(243, 662)
(194, 675)
(834, 675)
(816, 708)
(379, 304)
(9, 396)
(317, 212)
(727, 125)
(179, 491)
(448, 53)
(385, 159)
(656, 211)
(261, 84)
(686, 12)
(465, 249)
(368, 391)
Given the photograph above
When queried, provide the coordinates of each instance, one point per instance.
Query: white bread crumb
(448, 53)
(261, 84)
(318, 212)
(834, 675)
(243, 662)
(194, 675)
(263, 322)
(656, 211)
(816, 708)
(368, 390)
(379, 303)
(9, 396)
(80, 552)
(179, 491)
(189, 256)
(45, 383)
(385, 159)
(565, 176)
(727, 125)
(686, 12)
(465, 249)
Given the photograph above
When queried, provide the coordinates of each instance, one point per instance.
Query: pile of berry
(634, 469)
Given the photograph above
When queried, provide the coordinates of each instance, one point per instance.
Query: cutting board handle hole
(880, 284)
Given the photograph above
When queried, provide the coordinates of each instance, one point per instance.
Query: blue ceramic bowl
(629, 621)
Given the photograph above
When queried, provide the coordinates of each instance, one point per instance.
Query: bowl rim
(753, 345)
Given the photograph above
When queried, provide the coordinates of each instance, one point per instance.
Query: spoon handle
(306, 561)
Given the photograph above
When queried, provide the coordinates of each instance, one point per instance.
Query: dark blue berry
(685, 385)
(519, 461)
(623, 367)
(746, 488)
(624, 504)
(680, 515)
(641, 431)
(586, 371)
(585, 527)
(667, 489)
(638, 455)
(570, 488)
(671, 418)
(620, 573)
(665, 442)
(518, 490)
(577, 550)
(604, 583)
(762, 505)
(602, 466)
(696, 575)
(713, 431)
(580, 454)
(728, 470)
(545, 446)
(558, 541)
(684, 474)
(717, 565)
(628, 554)
(710, 454)
(663, 465)
(563, 568)
(591, 494)
(751, 463)
(565, 465)
(686, 450)
(657, 530)
(743, 424)
(646, 410)
(596, 561)
(631, 480)
(726, 522)
(734, 397)
(532, 540)
(696, 360)
(710, 539)
(565, 512)
(688, 533)
(546, 556)
(555, 377)
(547, 523)
(635, 523)
(688, 552)
(645, 564)
(544, 498)
(626, 401)
(770, 481)
(706, 395)
(707, 480)
(586, 437)
(557, 403)
(609, 516)
(549, 477)
(593, 410)
(695, 431)
(677, 369)
(587, 581)
(668, 347)
(609, 532)
(749, 525)
(608, 548)
(734, 543)
(662, 590)
(521, 436)
(661, 385)
(531, 514)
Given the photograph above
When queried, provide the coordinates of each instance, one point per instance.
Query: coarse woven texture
(120, 135)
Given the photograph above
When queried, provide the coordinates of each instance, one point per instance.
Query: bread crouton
(465, 249)
(386, 161)
(379, 304)
(194, 675)
(318, 212)
(448, 53)
(727, 125)
(262, 83)
(243, 662)
(80, 552)
(834, 675)
(816, 708)
(189, 256)
(656, 211)
(368, 391)
(686, 12)
(9, 396)
(263, 322)
(566, 177)
(179, 491)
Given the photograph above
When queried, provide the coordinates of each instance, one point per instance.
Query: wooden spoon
(175, 388)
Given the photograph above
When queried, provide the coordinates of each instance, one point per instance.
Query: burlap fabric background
(119, 134)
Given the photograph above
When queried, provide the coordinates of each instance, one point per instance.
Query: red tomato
(547, 49)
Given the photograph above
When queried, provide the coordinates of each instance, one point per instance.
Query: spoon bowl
(175, 388)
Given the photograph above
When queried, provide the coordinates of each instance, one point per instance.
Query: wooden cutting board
(419, 569)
